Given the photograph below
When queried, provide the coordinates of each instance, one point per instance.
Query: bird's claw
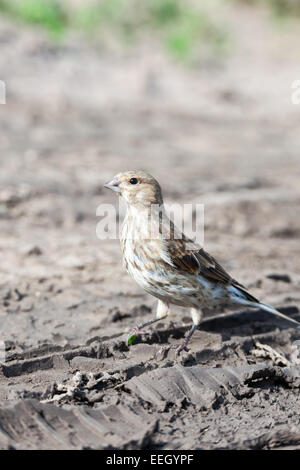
(178, 349)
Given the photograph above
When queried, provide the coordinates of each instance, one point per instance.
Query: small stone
(279, 277)
(19, 295)
(289, 310)
(33, 250)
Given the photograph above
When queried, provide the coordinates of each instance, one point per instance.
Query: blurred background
(198, 93)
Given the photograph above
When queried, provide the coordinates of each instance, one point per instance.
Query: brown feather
(187, 255)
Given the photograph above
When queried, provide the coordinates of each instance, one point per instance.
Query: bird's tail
(270, 309)
(242, 296)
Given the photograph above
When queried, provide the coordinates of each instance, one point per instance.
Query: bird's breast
(146, 261)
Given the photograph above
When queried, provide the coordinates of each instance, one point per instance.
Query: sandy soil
(224, 134)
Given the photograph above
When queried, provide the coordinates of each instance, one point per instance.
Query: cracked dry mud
(66, 305)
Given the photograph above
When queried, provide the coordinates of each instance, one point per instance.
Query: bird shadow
(249, 322)
(244, 323)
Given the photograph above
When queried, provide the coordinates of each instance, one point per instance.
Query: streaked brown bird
(167, 264)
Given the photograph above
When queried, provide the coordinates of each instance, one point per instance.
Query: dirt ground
(224, 134)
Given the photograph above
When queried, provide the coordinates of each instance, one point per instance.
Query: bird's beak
(114, 185)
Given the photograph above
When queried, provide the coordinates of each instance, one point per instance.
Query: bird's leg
(161, 312)
(196, 316)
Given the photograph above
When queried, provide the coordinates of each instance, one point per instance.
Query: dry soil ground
(224, 134)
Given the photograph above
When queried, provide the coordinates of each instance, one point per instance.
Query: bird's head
(137, 188)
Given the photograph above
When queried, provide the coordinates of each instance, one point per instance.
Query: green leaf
(131, 339)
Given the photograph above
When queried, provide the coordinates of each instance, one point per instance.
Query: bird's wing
(190, 257)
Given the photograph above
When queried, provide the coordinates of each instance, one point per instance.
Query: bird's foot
(178, 349)
(136, 331)
(181, 347)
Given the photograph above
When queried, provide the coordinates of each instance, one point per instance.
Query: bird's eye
(133, 181)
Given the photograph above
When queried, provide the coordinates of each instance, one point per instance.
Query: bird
(169, 265)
